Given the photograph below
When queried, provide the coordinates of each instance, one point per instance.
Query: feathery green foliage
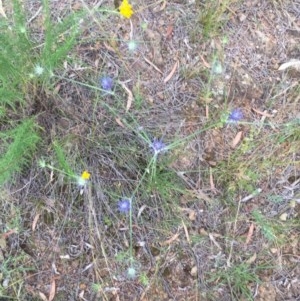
(24, 142)
(59, 39)
(21, 63)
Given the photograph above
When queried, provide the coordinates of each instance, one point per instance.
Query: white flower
(38, 70)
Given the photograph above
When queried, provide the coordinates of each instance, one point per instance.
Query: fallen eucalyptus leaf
(293, 63)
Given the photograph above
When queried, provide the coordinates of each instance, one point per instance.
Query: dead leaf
(194, 271)
(2, 12)
(172, 72)
(109, 48)
(214, 241)
(65, 256)
(264, 113)
(81, 296)
(211, 180)
(35, 220)
(141, 211)
(119, 122)
(163, 5)
(130, 97)
(186, 232)
(237, 139)
(2, 243)
(169, 33)
(274, 250)
(283, 216)
(8, 233)
(77, 6)
(155, 67)
(192, 213)
(205, 63)
(42, 296)
(293, 63)
(250, 233)
(52, 290)
(56, 89)
(169, 241)
(251, 259)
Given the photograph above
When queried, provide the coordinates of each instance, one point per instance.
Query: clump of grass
(239, 277)
(212, 17)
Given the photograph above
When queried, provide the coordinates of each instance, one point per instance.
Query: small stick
(251, 196)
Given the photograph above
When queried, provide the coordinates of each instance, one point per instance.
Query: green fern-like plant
(27, 66)
(20, 143)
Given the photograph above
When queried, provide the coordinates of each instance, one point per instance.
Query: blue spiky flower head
(235, 116)
(106, 83)
(158, 146)
(124, 205)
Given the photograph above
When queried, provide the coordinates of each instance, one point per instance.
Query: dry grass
(198, 230)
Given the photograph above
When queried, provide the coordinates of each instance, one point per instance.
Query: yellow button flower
(126, 9)
(85, 175)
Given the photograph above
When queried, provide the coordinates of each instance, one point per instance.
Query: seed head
(38, 70)
(131, 273)
(132, 45)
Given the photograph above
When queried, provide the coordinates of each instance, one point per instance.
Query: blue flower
(107, 83)
(235, 116)
(158, 146)
(124, 205)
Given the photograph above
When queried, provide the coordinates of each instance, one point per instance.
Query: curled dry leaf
(192, 213)
(211, 237)
(264, 113)
(211, 181)
(119, 122)
(141, 211)
(169, 241)
(169, 33)
(2, 12)
(130, 97)
(194, 271)
(237, 139)
(8, 233)
(172, 72)
(52, 290)
(42, 296)
(154, 66)
(293, 63)
(35, 220)
(250, 233)
(186, 232)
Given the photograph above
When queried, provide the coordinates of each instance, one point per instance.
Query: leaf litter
(205, 214)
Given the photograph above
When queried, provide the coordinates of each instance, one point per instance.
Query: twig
(251, 196)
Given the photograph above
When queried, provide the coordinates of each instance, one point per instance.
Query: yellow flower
(126, 9)
(85, 175)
